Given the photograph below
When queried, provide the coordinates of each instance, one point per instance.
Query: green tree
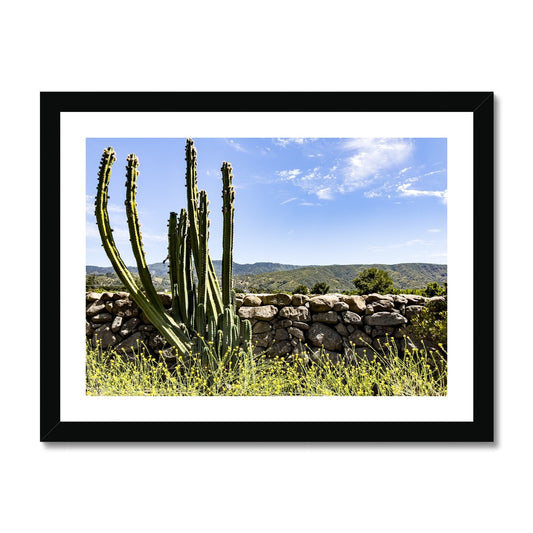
(373, 280)
(301, 289)
(434, 289)
(320, 288)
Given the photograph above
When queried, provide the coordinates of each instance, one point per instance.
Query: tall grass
(383, 373)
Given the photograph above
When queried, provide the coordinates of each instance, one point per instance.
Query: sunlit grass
(385, 373)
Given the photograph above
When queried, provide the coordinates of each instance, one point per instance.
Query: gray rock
(329, 317)
(375, 297)
(109, 306)
(356, 303)
(323, 303)
(414, 299)
(106, 337)
(295, 313)
(299, 299)
(349, 317)
(166, 299)
(381, 331)
(251, 300)
(133, 342)
(385, 319)
(360, 338)
(399, 299)
(88, 329)
(281, 335)
(102, 318)
(121, 295)
(95, 308)
(264, 312)
(106, 296)
(322, 335)
(156, 341)
(129, 326)
(383, 305)
(280, 348)
(262, 339)
(261, 327)
(296, 332)
(238, 302)
(341, 329)
(280, 299)
(91, 297)
(412, 310)
(341, 306)
(285, 323)
(116, 324)
(301, 325)
(125, 308)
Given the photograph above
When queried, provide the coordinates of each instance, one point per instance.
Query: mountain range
(267, 277)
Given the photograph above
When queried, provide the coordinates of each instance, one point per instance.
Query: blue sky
(298, 200)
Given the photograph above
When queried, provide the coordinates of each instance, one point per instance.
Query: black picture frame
(480, 429)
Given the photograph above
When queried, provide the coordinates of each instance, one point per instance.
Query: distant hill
(266, 277)
(340, 277)
(161, 269)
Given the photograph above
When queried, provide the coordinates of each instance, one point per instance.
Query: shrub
(320, 288)
(301, 289)
(373, 280)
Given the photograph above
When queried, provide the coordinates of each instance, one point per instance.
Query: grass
(384, 373)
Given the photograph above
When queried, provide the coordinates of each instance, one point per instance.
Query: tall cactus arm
(214, 300)
(228, 199)
(169, 329)
(132, 172)
(203, 251)
(173, 261)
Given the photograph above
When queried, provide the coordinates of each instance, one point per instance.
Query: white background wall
(275, 45)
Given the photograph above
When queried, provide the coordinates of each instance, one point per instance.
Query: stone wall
(282, 324)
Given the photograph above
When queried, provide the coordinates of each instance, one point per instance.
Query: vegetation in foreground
(417, 373)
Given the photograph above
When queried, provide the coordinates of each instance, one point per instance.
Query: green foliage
(430, 326)
(201, 309)
(435, 289)
(301, 289)
(383, 373)
(340, 277)
(320, 288)
(373, 280)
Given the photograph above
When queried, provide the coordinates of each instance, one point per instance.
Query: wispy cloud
(284, 142)
(288, 201)
(405, 190)
(288, 174)
(433, 230)
(372, 159)
(235, 145)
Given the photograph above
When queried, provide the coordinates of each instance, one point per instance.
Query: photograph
(266, 267)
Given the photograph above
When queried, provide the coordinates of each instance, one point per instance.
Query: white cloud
(284, 142)
(235, 145)
(288, 200)
(433, 230)
(372, 159)
(288, 174)
(325, 193)
(405, 190)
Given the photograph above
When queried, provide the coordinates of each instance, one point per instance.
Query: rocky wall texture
(282, 324)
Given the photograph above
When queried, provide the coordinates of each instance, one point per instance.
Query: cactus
(203, 316)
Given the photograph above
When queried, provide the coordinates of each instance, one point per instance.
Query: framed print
(304, 267)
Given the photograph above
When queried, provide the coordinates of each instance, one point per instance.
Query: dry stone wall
(282, 324)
